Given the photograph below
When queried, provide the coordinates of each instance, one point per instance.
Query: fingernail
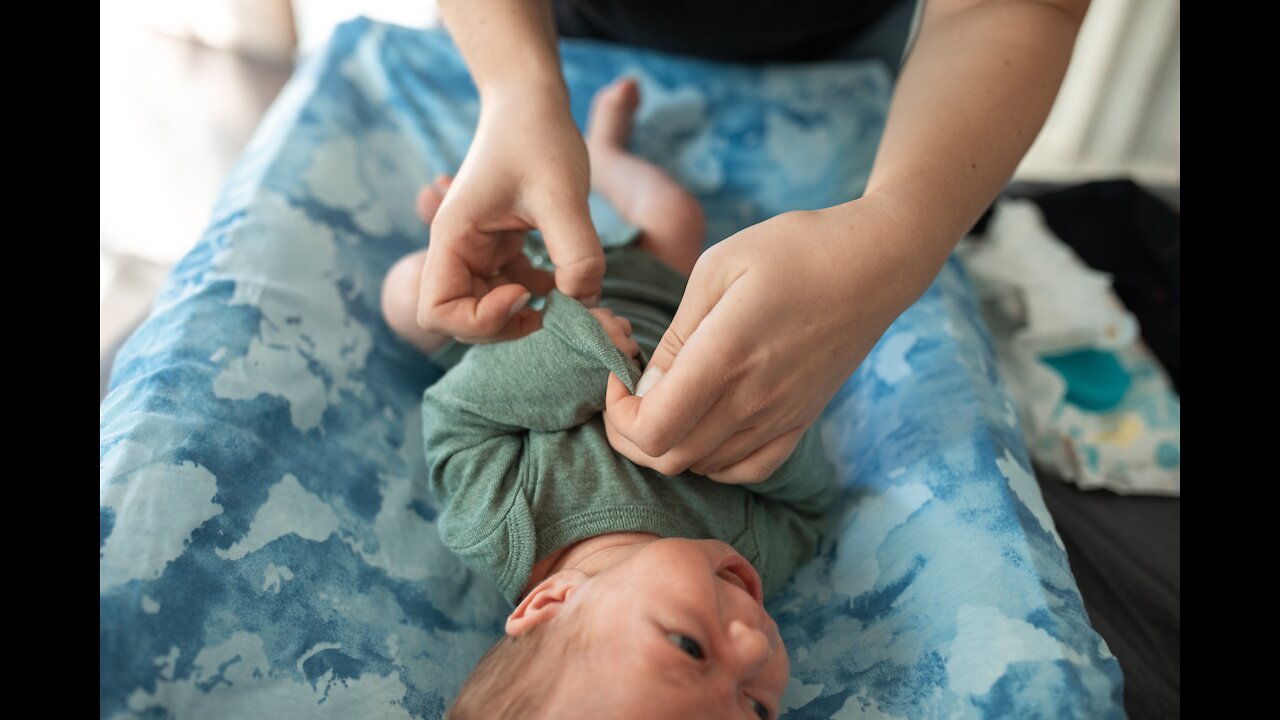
(518, 305)
(650, 378)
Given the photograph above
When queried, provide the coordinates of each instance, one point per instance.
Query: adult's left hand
(773, 321)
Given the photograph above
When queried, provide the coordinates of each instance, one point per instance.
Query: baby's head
(675, 629)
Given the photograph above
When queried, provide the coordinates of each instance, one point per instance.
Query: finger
(701, 295)
(734, 449)
(451, 300)
(443, 182)
(445, 276)
(625, 447)
(716, 426)
(524, 322)
(428, 203)
(508, 246)
(759, 465)
(575, 250)
(673, 397)
(630, 451)
(615, 390)
(614, 393)
(474, 313)
(520, 270)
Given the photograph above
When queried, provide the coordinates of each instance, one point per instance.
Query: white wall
(1118, 110)
(316, 19)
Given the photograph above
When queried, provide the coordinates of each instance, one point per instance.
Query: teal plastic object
(1095, 379)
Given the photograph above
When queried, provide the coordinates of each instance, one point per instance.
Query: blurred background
(185, 82)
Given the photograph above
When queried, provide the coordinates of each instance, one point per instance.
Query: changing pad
(267, 546)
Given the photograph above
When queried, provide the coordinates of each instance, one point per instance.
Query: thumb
(663, 412)
(699, 298)
(615, 390)
(575, 250)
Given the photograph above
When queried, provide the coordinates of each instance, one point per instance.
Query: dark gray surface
(1126, 555)
(1125, 550)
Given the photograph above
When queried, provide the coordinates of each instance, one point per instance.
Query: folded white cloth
(1040, 299)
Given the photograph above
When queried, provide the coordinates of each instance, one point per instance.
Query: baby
(636, 594)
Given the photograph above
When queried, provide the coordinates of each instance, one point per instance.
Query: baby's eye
(762, 712)
(687, 644)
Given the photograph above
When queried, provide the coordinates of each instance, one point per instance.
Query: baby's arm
(542, 382)
(477, 419)
(806, 481)
(547, 381)
(791, 509)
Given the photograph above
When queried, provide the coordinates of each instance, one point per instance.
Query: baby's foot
(612, 110)
(430, 197)
(672, 223)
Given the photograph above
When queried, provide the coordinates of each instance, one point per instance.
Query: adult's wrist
(509, 45)
(533, 90)
(893, 231)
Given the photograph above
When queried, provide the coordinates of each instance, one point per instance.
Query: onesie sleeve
(789, 514)
(552, 379)
(806, 481)
(483, 422)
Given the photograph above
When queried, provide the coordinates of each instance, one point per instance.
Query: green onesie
(518, 457)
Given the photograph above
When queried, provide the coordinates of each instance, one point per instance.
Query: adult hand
(773, 321)
(526, 168)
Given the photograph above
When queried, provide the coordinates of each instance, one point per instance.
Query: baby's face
(677, 630)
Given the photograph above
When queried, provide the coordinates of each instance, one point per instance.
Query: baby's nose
(751, 645)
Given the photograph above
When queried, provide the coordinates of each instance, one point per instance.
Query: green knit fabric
(518, 457)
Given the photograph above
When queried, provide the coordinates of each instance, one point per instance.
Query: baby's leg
(404, 280)
(672, 223)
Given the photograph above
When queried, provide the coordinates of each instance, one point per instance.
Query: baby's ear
(544, 601)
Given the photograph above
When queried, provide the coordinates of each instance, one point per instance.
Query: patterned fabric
(267, 545)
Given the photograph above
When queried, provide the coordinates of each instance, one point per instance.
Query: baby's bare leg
(672, 223)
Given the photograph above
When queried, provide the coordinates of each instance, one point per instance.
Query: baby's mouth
(736, 570)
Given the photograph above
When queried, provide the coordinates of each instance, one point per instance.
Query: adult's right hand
(526, 168)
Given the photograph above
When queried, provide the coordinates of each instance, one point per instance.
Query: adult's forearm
(972, 96)
(508, 44)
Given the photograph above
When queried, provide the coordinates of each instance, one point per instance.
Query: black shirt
(733, 30)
